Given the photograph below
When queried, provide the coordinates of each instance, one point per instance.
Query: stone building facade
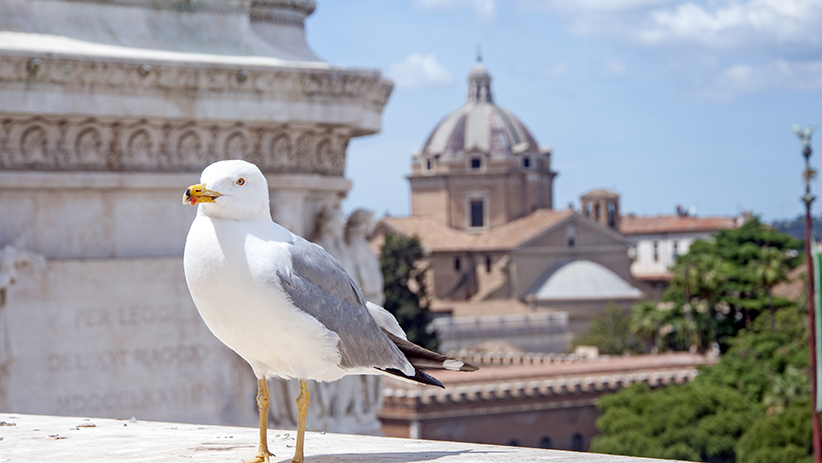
(531, 400)
(658, 240)
(496, 250)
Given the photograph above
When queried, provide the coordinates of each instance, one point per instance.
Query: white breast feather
(242, 304)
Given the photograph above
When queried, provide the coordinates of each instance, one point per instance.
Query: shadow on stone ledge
(387, 457)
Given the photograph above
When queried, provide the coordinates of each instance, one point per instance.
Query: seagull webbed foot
(260, 458)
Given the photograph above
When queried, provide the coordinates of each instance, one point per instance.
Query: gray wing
(320, 287)
(319, 267)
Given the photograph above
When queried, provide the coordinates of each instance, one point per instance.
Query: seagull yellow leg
(263, 397)
(302, 410)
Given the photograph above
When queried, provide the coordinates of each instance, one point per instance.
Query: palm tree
(767, 269)
(701, 278)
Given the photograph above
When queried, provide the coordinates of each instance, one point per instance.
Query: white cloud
(484, 9)
(734, 24)
(723, 46)
(741, 78)
(594, 6)
(719, 24)
(418, 71)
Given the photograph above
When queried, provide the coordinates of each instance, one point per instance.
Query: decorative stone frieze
(116, 77)
(89, 144)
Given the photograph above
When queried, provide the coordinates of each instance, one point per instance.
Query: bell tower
(601, 206)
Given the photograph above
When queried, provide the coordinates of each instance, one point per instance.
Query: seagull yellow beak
(196, 194)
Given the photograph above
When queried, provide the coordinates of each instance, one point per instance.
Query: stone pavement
(31, 438)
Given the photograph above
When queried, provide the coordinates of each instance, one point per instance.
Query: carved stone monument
(108, 109)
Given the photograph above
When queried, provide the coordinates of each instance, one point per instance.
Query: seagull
(283, 304)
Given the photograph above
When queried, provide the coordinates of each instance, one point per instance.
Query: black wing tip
(419, 376)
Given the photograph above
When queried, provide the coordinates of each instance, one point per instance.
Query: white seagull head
(231, 190)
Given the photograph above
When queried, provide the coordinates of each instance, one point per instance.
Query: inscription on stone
(134, 399)
(96, 317)
(130, 344)
(171, 356)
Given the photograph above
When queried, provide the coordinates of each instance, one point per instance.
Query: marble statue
(804, 134)
(13, 259)
(366, 269)
(329, 233)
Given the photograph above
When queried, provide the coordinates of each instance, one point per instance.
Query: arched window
(572, 236)
(488, 264)
(513, 443)
(611, 214)
(577, 442)
(545, 442)
(477, 212)
(457, 264)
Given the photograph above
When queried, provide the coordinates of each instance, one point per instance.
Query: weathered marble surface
(29, 438)
(116, 338)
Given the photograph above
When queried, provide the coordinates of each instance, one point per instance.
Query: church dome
(583, 280)
(479, 125)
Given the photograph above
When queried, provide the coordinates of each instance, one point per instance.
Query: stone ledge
(176, 181)
(25, 438)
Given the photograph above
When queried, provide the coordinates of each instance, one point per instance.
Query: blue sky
(665, 101)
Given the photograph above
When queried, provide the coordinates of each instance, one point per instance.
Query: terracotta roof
(609, 365)
(517, 232)
(434, 234)
(633, 225)
(437, 236)
(554, 378)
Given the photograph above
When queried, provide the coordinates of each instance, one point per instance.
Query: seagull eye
(241, 181)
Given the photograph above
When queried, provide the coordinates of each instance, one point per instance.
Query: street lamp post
(809, 174)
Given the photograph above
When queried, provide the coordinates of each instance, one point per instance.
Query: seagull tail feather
(422, 358)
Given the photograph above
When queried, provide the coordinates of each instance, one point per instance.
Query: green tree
(610, 331)
(780, 438)
(696, 422)
(759, 358)
(646, 322)
(720, 286)
(404, 286)
(767, 269)
(752, 406)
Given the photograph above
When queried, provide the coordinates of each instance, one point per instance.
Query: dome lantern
(479, 84)
(480, 126)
